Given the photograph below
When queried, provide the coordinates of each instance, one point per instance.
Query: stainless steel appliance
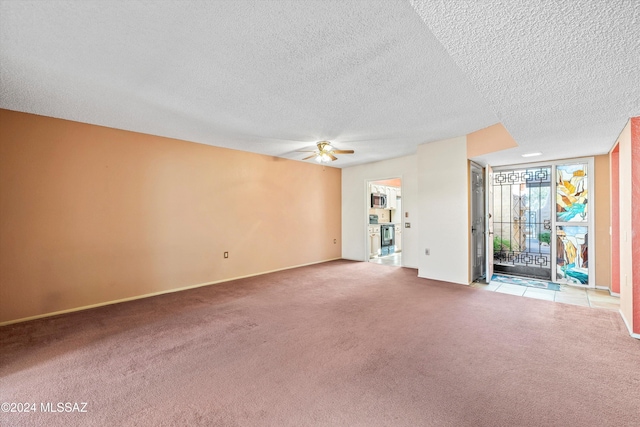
(378, 201)
(387, 233)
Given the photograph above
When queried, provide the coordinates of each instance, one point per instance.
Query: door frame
(589, 161)
(367, 206)
(488, 228)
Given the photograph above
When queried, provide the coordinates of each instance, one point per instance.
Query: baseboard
(153, 294)
(606, 288)
(633, 335)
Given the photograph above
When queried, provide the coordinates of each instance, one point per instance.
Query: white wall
(355, 206)
(443, 206)
(626, 227)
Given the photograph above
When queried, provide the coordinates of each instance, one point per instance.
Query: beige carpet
(336, 344)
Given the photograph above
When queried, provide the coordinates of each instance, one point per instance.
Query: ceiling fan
(326, 153)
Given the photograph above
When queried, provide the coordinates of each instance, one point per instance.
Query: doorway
(522, 222)
(540, 225)
(384, 221)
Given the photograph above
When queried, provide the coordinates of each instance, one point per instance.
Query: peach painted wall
(489, 140)
(615, 219)
(90, 214)
(602, 203)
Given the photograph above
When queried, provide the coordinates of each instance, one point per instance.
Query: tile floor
(394, 259)
(595, 298)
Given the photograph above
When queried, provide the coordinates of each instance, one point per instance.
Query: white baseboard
(606, 288)
(633, 335)
(153, 294)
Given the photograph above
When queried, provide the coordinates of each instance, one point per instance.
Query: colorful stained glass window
(571, 193)
(572, 253)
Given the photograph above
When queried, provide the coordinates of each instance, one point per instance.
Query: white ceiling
(379, 77)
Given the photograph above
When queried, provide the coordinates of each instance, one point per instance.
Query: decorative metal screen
(522, 221)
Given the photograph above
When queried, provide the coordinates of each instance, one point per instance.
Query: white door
(478, 247)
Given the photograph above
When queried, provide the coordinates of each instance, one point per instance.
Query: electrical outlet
(226, 254)
(335, 241)
(407, 225)
(427, 251)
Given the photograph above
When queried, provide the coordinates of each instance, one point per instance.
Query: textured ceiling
(563, 77)
(379, 77)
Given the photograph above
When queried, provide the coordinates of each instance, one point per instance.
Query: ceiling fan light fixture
(326, 152)
(324, 146)
(323, 158)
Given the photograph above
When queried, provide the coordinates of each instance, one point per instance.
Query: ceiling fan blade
(343, 151)
(310, 157)
(306, 151)
(332, 156)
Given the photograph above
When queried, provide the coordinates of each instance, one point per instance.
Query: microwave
(378, 201)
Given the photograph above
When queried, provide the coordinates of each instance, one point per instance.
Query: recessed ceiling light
(537, 153)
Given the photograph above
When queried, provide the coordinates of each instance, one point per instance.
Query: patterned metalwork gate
(522, 208)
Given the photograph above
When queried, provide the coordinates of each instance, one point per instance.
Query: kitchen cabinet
(374, 240)
(392, 194)
(398, 237)
(391, 198)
